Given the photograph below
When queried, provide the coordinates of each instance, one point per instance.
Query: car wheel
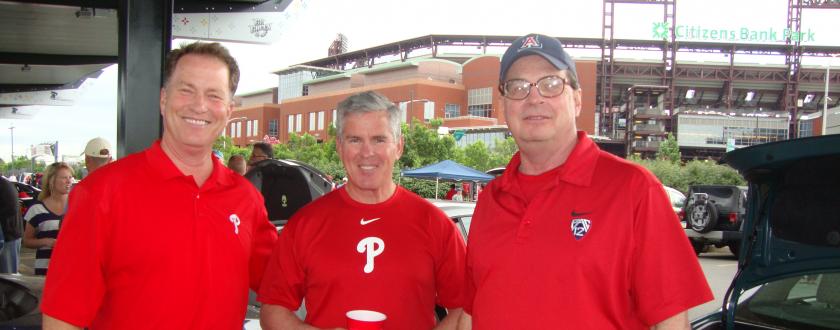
(702, 217)
(735, 248)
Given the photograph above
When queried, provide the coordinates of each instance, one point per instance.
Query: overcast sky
(314, 24)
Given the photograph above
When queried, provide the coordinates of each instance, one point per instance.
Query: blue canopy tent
(447, 170)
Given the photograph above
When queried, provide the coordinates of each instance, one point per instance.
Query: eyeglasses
(519, 89)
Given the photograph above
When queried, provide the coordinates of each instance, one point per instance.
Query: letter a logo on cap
(531, 42)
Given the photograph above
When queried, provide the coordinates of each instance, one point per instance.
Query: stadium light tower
(825, 99)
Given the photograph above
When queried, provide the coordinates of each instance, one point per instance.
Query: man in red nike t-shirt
(369, 245)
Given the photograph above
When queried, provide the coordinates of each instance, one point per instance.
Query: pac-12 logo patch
(580, 227)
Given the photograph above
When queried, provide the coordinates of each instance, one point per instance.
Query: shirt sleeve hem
(73, 320)
(284, 304)
(664, 312)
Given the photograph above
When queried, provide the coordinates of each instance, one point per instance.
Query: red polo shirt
(143, 247)
(598, 247)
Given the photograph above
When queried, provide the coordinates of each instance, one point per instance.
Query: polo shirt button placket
(524, 228)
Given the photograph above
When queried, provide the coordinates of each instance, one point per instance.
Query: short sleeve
(283, 281)
(75, 286)
(666, 277)
(265, 238)
(449, 268)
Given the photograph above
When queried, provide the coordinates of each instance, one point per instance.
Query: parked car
(19, 298)
(460, 213)
(789, 272)
(31, 193)
(677, 199)
(286, 186)
(714, 215)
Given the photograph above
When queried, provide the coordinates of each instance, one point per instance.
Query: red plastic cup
(365, 320)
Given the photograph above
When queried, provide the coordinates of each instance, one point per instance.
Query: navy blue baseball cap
(537, 44)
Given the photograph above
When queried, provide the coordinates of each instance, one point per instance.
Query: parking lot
(719, 265)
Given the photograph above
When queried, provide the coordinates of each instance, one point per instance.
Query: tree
(423, 146)
(669, 150)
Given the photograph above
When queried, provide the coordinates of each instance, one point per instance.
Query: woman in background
(43, 219)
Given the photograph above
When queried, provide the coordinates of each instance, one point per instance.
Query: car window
(677, 199)
(799, 302)
(806, 204)
(720, 192)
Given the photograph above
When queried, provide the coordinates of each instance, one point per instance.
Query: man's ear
(162, 99)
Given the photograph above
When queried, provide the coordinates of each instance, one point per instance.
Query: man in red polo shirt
(167, 238)
(570, 236)
(369, 245)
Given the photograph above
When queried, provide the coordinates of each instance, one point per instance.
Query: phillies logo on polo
(234, 219)
(371, 247)
(580, 227)
(531, 42)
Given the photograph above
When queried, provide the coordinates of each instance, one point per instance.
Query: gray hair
(369, 101)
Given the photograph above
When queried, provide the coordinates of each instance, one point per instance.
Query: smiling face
(195, 103)
(61, 183)
(548, 121)
(368, 149)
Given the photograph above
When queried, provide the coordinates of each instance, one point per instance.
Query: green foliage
(24, 164)
(669, 150)
(694, 172)
(423, 146)
(226, 146)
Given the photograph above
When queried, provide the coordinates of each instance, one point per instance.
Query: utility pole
(12, 163)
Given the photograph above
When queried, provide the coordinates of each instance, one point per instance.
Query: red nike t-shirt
(398, 257)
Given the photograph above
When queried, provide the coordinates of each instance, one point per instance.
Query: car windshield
(799, 302)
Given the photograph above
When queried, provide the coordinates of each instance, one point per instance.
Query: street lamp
(12, 164)
(224, 143)
(825, 100)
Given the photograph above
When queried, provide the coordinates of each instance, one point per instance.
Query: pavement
(27, 261)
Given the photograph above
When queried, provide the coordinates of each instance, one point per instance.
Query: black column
(145, 34)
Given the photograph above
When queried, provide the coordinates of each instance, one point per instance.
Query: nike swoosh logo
(364, 222)
(577, 214)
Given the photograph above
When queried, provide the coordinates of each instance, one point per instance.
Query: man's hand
(274, 317)
(465, 322)
(450, 322)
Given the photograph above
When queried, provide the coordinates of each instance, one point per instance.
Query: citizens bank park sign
(740, 34)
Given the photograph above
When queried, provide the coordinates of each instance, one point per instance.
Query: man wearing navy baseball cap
(571, 236)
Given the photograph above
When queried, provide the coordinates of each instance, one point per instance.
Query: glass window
(273, 129)
(428, 111)
(256, 127)
(798, 302)
(335, 115)
(320, 120)
(452, 110)
(239, 129)
(291, 123)
(298, 122)
(248, 131)
(480, 96)
(312, 120)
(404, 111)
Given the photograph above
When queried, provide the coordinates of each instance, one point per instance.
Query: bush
(694, 172)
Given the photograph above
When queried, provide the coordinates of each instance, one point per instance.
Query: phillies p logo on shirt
(372, 247)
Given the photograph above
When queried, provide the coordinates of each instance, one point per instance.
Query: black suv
(714, 215)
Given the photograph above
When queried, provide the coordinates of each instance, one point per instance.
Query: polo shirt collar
(163, 167)
(577, 170)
